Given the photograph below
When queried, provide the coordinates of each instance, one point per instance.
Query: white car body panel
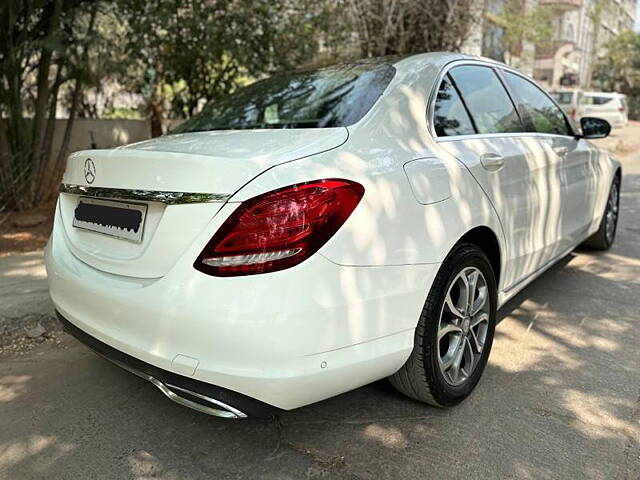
(345, 316)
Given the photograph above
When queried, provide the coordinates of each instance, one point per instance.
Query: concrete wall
(103, 132)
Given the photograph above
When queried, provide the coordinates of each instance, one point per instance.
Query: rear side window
(592, 100)
(450, 117)
(489, 104)
(563, 98)
(543, 113)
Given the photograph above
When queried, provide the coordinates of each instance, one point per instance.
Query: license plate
(116, 219)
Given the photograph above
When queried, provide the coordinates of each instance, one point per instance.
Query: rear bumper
(285, 339)
(192, 393)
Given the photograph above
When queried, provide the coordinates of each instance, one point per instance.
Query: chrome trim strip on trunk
(170, 198)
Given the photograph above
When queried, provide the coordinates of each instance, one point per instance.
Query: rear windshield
(563, 98)
(329, 97)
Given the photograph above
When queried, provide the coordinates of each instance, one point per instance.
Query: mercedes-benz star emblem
(89, 170)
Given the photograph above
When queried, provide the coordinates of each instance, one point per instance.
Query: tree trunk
(52, 177)
(51, 120)
(156, 117)
(49, 183)
(42, 95)
(15, 125)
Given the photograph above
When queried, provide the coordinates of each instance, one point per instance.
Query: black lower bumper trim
(246, 404)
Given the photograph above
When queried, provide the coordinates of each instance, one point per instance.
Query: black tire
(606, 234)
(421, 377)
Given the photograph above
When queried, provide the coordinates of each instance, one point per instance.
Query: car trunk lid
(179, 181)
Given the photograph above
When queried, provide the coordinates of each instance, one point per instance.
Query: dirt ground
(22, 232)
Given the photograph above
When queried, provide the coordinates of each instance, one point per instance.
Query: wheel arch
(486, 240)
(618, 173)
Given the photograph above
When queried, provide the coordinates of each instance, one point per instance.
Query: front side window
(543, 113)
(450, 117)
(488, 102)
(336, 96)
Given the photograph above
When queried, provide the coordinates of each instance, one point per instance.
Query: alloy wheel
(463, 326)
(611, 215)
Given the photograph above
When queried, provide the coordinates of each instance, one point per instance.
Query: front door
(573, 179)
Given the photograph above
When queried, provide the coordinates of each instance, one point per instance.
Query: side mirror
(594, 127)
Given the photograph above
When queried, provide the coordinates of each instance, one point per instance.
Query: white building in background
(582, 29)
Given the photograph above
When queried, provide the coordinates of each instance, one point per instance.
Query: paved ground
(560, 398)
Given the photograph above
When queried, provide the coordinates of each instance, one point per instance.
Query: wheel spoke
(447, 364)
(483, 317)
(470, 362)
(447, 329)
(478, 346)
(472, 282)
(457, 360)
(480, 302)
(452, 306)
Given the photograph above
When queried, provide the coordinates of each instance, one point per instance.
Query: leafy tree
(521, 25)
(187, 52)
(403, 26)
(595, 14)
(619, 69)
(44, 51)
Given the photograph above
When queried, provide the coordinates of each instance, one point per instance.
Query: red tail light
(279, 229)
(621, 108)
(573, 113)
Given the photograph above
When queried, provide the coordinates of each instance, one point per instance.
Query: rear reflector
(279, 229)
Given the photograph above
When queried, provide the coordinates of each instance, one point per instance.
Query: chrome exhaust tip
(186, 398)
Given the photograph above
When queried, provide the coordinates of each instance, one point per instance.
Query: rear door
(487, 136)
(571, 182)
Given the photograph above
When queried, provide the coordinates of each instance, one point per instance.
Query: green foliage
(619, 69)
(44, 56)
(383, 27)
(183, 53)
(176, 54)
(519, 24)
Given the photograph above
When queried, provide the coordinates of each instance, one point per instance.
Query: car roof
(604, 94)
(417, 61)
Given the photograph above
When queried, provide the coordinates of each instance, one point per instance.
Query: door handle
(561, 151)
(492, 161)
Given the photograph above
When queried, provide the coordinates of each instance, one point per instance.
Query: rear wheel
(606, 234)
(455, 331)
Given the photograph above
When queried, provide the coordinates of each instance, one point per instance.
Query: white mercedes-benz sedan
(320, 230)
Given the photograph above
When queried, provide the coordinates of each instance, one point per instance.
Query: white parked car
(320, 230)
(610, 106)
